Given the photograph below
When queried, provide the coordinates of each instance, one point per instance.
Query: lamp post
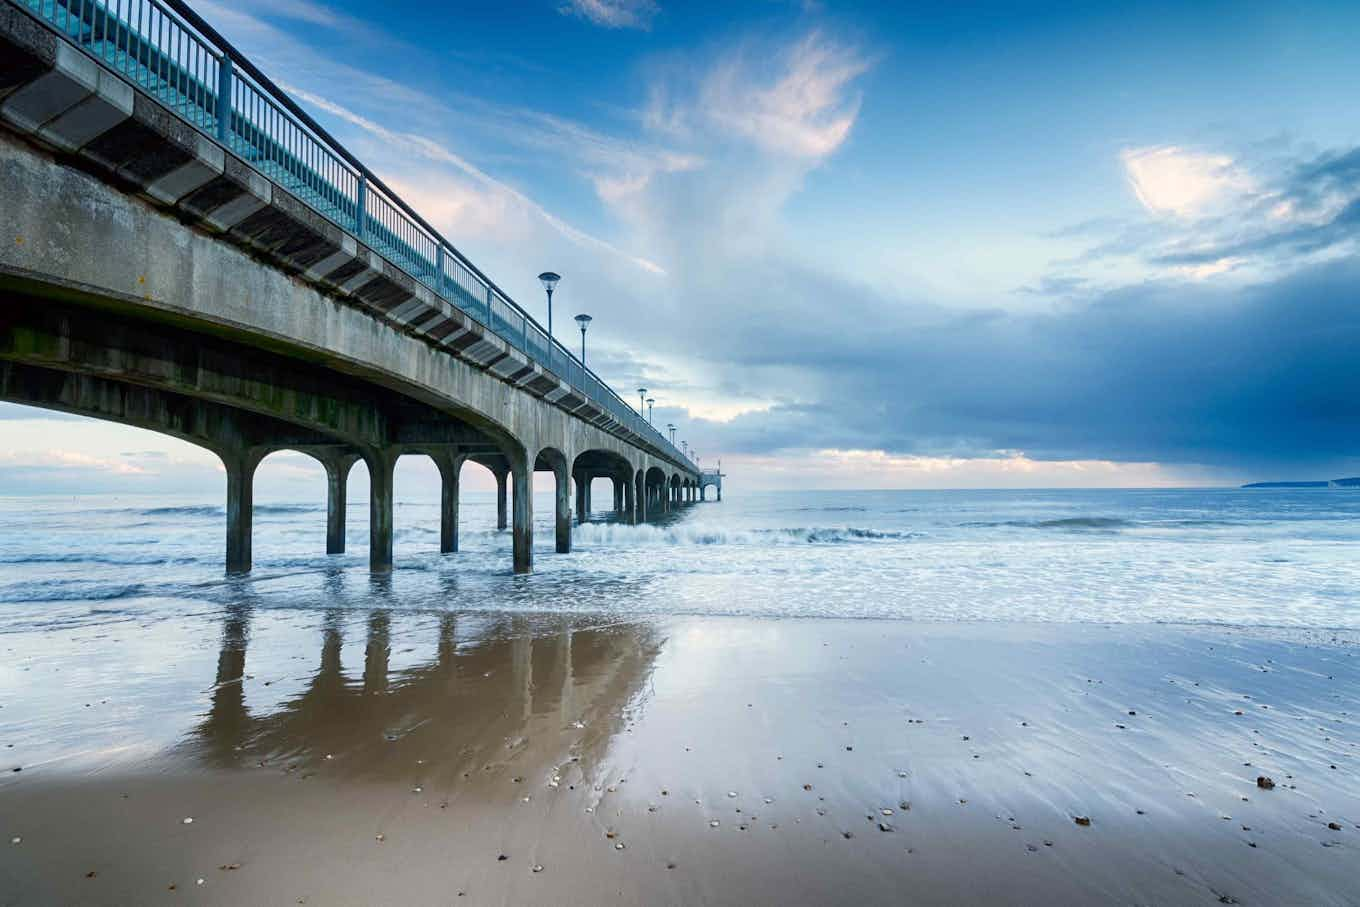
(642, 401)
(584, 321)
(671, 429)
(650, 401)
(549, 280)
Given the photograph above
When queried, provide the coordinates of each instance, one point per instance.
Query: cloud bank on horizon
(982, 245)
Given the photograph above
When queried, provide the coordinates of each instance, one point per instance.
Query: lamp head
(584, 321)
(549, 280)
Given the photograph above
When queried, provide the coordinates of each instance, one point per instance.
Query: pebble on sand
(16, 840)
(188, 820)
(1082, 820)
(1265, 783)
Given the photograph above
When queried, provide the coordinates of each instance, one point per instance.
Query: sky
(858, 245)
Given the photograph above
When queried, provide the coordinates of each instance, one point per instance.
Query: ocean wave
(85, 557)
(200, 510)
(214, 510)
(688, 535)
(70, 592)
(1074, 522)
(1099, 524)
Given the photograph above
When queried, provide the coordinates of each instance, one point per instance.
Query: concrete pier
(450, 467)
(337, 466)
(153, 277)
(240, 470)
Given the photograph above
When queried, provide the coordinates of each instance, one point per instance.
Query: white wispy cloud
(613, 13)
(1168, 179)
(804, 108)
(56, 459)
(793, 98)
(429, 149)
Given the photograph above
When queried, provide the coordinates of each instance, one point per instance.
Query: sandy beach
(284, 757)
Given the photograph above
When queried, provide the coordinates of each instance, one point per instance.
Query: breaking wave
(1099, 524)
(683, 535)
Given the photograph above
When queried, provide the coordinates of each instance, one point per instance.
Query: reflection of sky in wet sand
(300, 739)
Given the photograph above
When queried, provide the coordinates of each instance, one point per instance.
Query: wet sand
(349, 757)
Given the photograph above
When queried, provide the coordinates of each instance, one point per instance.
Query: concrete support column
(522, 471)
(618, 495)
(563, 480)
(628, 487)
(450, 468)
(337, 484)
(380, 468)
(585, 490)
(640, 494)
(240, 467)
(582, 511)
(703, 492)
(501, 518)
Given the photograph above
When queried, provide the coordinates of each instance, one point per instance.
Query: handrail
(196, 72)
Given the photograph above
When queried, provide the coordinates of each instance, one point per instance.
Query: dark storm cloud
(1170, 372)
(1301, 240)
(1327, 183)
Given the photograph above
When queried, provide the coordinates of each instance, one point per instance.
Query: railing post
(360, 206)
(439, 269)
(489, 323)
(224, 99)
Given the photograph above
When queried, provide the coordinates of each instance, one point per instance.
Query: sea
(1236, 557)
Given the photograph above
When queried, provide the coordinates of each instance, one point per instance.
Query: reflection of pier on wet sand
(514, 695)
(362, 756)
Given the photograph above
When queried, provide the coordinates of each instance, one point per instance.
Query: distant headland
(1353, 482)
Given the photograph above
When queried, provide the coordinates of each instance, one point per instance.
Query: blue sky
(864, 245)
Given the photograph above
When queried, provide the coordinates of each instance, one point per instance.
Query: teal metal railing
(169, 52)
